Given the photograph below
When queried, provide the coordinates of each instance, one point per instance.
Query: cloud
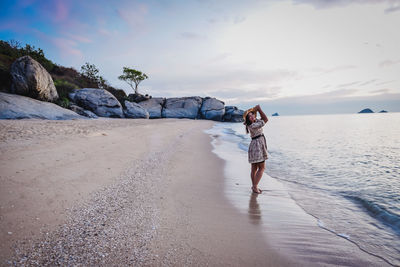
(238, 19)
(190, 36)
(389, 63)
(61, 11)
(66, 47)
(134, 16)
(334, 69)
(395, 6)
(342, 3)
(230, 85)
(352, 104)
(380, 91)
(368, 82)
(220, 57)
(348, 84)
(79, 38)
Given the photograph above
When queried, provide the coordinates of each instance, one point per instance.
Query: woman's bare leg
(253, 172)
(259, 174)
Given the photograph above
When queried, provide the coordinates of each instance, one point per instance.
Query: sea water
(343, 170)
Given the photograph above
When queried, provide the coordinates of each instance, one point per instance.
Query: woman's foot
(256, 190)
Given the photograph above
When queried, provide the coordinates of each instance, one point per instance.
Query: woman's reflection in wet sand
(254, 209)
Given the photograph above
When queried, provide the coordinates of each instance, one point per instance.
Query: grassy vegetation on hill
(65, 79)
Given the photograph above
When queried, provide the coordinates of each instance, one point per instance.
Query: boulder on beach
(182, 107)
(29, 78)
(367, 110)
(383, 111)
(212, 109)
(153, 106)
(275, 114)
(135, 111)
(99, 101)
(233, 114)
(21, 107)
(82, 111)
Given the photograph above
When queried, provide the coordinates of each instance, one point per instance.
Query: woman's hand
(257, 107)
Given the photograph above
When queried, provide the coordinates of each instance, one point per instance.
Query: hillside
(65, 79)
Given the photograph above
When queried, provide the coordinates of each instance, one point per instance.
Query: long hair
(247, 122)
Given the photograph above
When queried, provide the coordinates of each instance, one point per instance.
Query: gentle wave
(378, 212)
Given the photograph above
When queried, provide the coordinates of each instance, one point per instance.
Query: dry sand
(119, 192)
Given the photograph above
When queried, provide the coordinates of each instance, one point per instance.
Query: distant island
(367, 110)
(275, 114)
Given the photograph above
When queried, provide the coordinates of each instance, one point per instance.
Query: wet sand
(119, 192)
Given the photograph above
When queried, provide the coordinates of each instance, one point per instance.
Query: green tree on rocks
(133, 78)
(91, 77)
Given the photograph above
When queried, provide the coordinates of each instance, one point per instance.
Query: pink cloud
(134, 16)
(61, 10)
(104, 32)
(67, 47)
(79, 38)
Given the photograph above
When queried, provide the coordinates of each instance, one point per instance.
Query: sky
(291, 57)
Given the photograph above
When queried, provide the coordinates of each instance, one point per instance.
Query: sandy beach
(119, 192)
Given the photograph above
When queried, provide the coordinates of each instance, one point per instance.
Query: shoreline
(287, 227)
(152, 199)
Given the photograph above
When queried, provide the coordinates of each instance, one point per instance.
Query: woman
(258, 146)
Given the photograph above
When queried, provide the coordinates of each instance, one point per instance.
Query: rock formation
(99, 101)
(212, 109)
(20, 107)
(182, 107)
(82, 111)
(233, 114)
(275, 114)
(135, 111)
(367, 110)
(153, 106)
(29, 78)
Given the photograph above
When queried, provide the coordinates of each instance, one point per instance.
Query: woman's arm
(262, 114)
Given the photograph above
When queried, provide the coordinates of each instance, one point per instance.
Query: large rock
(135, 111)
(212, 109)
(233, 114)
(183, 107)
(21, 107)
(82, 111)
(99, 101)
(153, 106)
(29, 78)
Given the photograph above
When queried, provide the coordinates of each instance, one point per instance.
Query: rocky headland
(33, 95)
